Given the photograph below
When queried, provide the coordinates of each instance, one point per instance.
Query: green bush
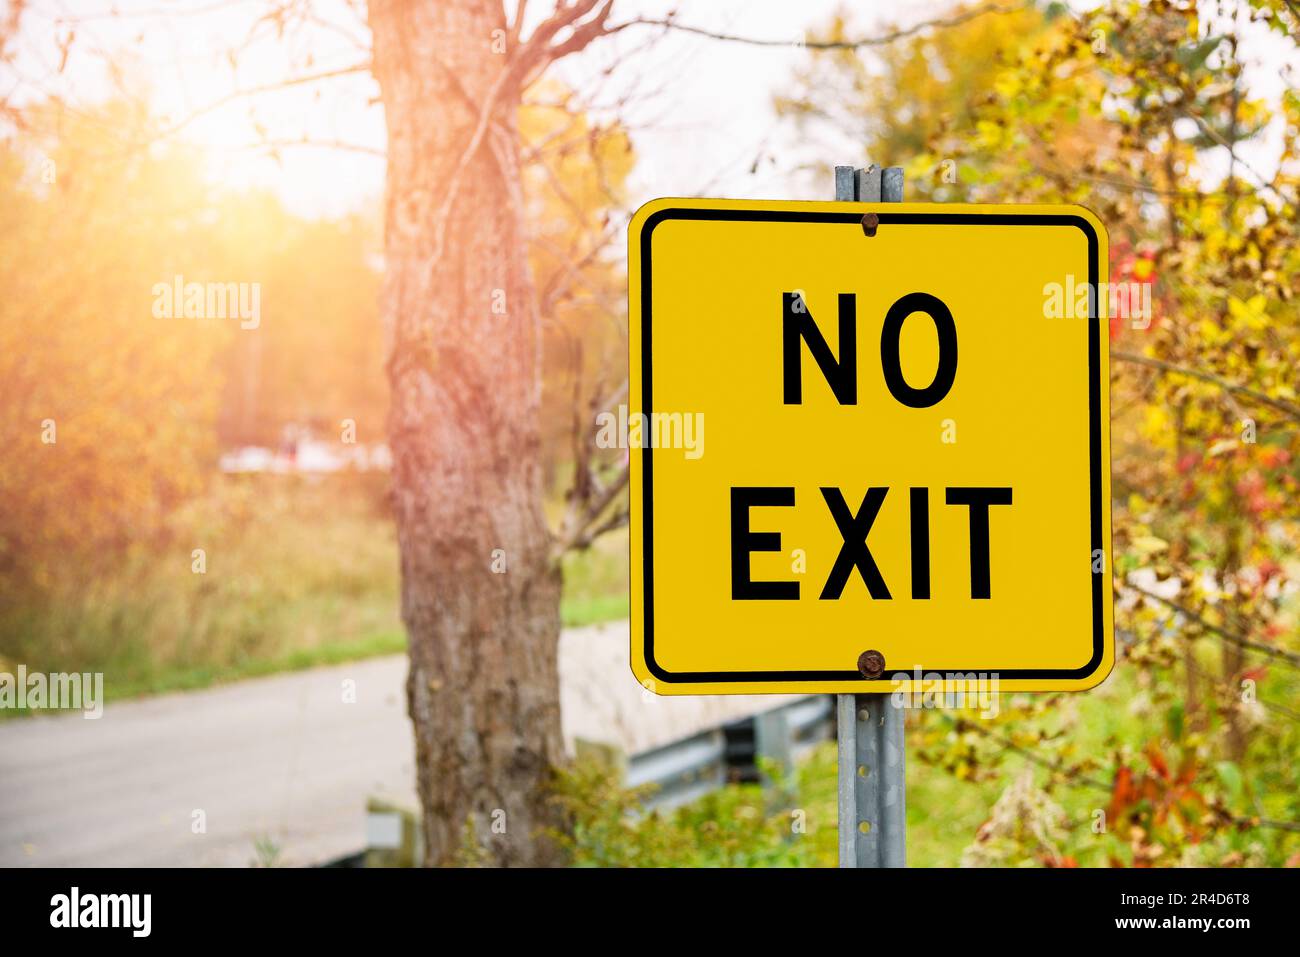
(740, 825)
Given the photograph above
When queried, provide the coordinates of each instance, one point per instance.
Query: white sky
(701, 112)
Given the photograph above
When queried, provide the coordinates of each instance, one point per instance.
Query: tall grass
(296, 570)
(299, 572)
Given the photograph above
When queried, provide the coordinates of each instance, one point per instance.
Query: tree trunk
(480, 592)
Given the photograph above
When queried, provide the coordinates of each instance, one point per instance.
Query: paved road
(281, 759)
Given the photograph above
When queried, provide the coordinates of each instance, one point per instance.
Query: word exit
(855, 552)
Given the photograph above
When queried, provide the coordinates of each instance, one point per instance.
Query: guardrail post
(772, 740)
(872, 793)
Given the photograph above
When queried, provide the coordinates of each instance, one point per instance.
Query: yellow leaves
(1157, 425)
(1147, 545)
(1216, 497)
(132, 397)
(1008, 84)
(577, 163)
(989, 135)
(1212, 334)
(1209, 217)
(1251, 313)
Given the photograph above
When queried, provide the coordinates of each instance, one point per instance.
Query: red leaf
(1123, 793)
(1157, 760)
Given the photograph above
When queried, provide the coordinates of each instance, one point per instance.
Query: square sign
(869, 453)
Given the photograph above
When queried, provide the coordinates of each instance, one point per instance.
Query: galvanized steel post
(872, 799)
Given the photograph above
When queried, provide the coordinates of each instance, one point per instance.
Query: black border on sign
(886, 218)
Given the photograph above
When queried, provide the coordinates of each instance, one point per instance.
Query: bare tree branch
(533, 56)
(340, 145)
(1260, 179)
(1281, 405)
(1232, 637)
(882, 40)
(231, 97)
(579, 530)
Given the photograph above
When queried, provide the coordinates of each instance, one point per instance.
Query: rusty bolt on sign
(870, 223)
(871, 664)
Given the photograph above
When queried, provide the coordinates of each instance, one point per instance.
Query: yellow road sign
(857, 443)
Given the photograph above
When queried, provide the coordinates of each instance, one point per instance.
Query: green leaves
(1193, 58)
(1229, 776)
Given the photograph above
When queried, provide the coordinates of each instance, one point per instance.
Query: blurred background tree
(487, 313)
(317, 360)
(82, 349)
(98, 405)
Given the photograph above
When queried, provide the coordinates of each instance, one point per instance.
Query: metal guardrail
(681, 771)
(692, 767)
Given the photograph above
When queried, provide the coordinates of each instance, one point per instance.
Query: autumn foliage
(1147, 114)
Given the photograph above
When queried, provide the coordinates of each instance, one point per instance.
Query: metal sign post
(872, 793)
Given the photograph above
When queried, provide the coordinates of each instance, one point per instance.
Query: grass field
(299, 573)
